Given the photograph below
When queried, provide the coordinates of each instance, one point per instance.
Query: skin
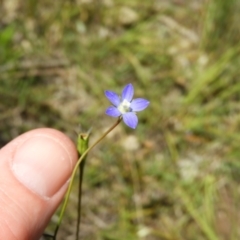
(34, 172)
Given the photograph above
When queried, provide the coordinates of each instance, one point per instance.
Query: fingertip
(34, 170)
(43, 162)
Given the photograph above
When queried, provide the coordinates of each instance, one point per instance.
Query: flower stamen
(124, 107)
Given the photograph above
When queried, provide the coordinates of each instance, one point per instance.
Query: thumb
(34, 169)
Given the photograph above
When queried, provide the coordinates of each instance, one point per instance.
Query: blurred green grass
(176, 177)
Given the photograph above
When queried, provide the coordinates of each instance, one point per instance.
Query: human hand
(34, 170)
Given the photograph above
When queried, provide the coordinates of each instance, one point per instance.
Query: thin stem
(75, 170)
(81, 170)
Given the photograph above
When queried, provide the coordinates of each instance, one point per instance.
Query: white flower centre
(124, 107)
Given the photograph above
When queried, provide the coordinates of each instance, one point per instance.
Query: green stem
(81, 170)
(82, 146)
(74, 172)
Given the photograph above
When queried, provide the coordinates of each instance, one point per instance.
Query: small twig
(180, 29)
(26, 65)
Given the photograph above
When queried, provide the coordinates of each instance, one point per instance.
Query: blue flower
(126, 107)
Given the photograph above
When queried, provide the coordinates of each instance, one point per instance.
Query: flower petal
(130, 119)
(113, 112)
(139, 104)
(113, 97)
(128, 92)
